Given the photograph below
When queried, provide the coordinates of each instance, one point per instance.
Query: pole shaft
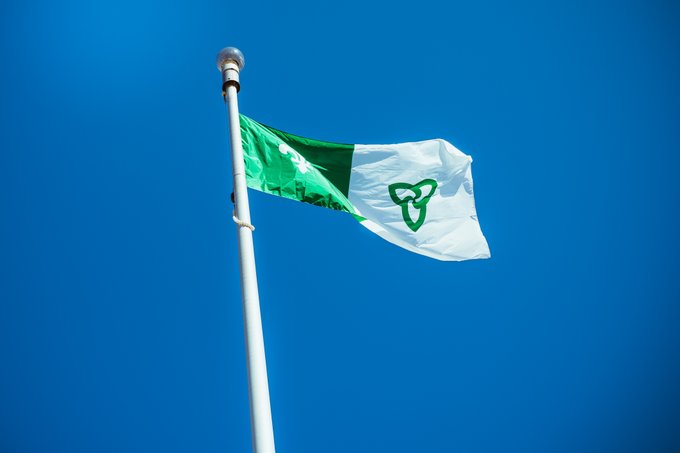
(258, 387)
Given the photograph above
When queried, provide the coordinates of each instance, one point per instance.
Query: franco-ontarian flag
(416, 195)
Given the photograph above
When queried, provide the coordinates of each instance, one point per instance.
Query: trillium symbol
(413, 199)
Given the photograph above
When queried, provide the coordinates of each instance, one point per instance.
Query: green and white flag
(416, 195)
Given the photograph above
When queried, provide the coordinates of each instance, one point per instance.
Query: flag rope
(240, 222)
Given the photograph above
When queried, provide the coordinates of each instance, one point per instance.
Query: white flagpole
(230, 61)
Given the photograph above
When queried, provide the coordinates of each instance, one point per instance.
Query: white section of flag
(451, 231)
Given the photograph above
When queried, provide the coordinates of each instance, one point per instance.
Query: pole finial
(230, 54)
(230, 61)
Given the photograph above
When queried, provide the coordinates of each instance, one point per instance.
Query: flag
(416, 195)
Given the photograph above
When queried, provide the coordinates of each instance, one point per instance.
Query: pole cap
(230, 54)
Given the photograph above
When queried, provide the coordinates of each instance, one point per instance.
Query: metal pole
(230, 61)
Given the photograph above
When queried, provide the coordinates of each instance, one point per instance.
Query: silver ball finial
(230, 61)
(230, 54)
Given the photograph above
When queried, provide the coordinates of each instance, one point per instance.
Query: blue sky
(120, 316)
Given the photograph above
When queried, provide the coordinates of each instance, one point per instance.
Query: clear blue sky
(120, 315)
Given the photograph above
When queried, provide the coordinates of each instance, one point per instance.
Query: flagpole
(230, 61)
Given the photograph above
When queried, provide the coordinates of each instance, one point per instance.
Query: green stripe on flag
(295, 167)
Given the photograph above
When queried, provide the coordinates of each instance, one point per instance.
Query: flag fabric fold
(417, 195)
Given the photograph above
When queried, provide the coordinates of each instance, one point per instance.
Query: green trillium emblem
(413, 199)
